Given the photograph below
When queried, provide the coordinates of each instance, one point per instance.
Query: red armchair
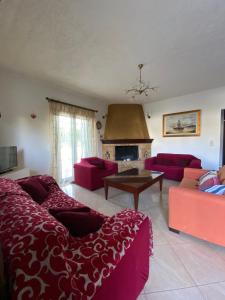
(172, 164)
(89, 176)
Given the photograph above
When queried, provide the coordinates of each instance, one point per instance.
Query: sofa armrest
(149, 162)
(105, 248)
(136, 263)
(195, 163)
(192, 173)
(111, 164)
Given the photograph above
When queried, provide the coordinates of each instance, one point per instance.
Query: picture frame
(185, 123)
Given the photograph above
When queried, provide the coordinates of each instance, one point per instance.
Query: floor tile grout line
(206, 298)
(171, 290)
(214, 282)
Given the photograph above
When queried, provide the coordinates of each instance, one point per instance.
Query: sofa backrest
(177, 156)
(88, 159)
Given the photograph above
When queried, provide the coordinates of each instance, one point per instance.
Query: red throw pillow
(56, 210)
(35, 189)
(98, 163)
(80, 223)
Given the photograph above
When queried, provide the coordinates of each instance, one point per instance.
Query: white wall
(21, 96)
(207, 145)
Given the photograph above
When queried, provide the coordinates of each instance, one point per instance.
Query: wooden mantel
(127, 141)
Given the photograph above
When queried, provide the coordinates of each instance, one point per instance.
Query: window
(73, 134)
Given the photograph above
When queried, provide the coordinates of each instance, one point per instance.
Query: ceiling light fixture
(141, 87)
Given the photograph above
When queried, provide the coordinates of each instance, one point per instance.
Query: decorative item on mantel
(141, 87)
(107, 155)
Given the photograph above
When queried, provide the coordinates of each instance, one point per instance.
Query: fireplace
(126, 138)
(126, 153)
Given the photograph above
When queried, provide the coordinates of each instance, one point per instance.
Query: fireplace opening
(126, 153)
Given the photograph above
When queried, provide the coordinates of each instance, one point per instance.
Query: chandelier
(141, 87)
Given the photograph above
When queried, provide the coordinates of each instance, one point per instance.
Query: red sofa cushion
(80, 223)
(35, 189)
(181, 162)
(163, 161)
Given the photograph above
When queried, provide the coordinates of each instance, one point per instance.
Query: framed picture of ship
(186, 123)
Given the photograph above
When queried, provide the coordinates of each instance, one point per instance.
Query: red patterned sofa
(43, 261)
(89, 175)
(172, 164)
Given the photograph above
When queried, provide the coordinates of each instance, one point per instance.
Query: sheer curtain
(73, 136)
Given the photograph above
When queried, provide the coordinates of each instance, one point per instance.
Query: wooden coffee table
(133, 181)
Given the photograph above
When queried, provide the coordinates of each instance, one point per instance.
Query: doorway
(223, 137)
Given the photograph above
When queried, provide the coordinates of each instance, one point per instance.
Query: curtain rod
(81, 107)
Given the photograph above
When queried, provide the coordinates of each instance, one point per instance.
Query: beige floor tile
(158, 237)
(213, 291)
(141, 297)
(166, 271)
(203, 263)
(182, 294)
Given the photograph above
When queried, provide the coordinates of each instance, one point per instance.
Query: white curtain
(73, 136)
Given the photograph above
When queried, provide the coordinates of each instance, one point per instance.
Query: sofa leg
(174, 230)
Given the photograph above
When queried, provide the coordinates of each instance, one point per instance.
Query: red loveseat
(172, 164)
(44, 262)
(90, 171)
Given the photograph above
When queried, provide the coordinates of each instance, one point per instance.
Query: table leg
(160, 184)
(136, 198)
(106, 190)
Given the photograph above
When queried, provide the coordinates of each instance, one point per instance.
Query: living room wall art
(186, 123)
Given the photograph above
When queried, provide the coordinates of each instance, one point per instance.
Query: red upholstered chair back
(88, 159)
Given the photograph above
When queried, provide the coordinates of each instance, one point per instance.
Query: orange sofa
(195, 212)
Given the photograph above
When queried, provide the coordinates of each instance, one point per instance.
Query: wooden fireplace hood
(126, 124)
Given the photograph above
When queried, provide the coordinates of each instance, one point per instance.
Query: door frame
(222, 139)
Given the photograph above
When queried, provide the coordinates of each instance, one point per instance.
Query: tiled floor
(182, 267)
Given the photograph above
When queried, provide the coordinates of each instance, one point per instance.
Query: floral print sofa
(43, 261)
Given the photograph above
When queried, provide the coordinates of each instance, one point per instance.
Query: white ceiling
(94, 46)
